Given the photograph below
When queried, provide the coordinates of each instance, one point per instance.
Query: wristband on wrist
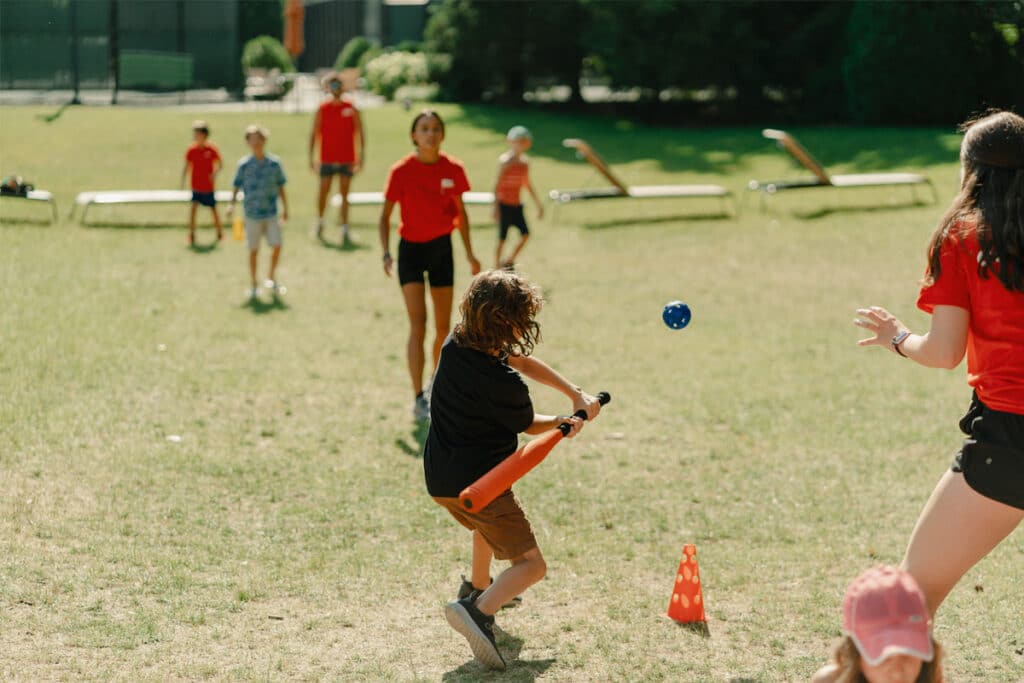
(899, 339)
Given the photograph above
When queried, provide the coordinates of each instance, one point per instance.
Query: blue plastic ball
(676, 315)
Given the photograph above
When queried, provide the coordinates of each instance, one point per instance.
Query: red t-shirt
(995, 338)
(337, 132)
(512, 177)
(202, 160)
(426, 194)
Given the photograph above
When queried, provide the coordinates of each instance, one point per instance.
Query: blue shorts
(204, 198)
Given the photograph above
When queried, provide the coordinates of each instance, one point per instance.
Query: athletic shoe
(346, 238)
(252, 292)
(273, 286)
(421, 408)
(478, 629)
(467, 589)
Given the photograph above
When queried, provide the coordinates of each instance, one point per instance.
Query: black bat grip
(603, 397)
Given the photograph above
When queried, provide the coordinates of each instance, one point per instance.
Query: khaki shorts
(503, 524)
(256, 228)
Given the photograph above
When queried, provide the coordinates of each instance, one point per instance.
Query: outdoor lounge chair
(621, 191)
(87, 199)
(377, 198)
(823, 179)
(35, 196)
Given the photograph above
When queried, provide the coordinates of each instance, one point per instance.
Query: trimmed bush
(390, 71)
(266, 52)
(352, 54)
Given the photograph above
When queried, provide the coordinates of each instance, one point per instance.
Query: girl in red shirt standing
(974, 290)
(428, 185)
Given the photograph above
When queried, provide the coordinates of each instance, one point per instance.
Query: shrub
(392, 70)
(266, 52)
(351, 55)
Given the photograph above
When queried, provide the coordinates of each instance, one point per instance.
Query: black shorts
(992, 458)
(433, 258)
(331, 170)
(205, 198)
(511, 216)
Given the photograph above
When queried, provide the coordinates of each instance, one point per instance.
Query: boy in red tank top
(203, 158)
(337, 125)
(513, 176)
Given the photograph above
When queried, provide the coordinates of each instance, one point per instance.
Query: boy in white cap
(513, 176)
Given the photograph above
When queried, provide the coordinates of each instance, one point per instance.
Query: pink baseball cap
(884, 613)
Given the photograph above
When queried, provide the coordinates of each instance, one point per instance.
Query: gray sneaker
(421, 408)
(478, 629)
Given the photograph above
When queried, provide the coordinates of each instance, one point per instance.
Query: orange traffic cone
(687, 604)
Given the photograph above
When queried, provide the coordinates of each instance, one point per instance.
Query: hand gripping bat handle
(602, 397)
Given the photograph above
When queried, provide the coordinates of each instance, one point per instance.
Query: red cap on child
(884, 613)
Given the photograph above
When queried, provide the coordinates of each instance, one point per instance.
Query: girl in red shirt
(974, 289)
(338, 126)
(428, 185)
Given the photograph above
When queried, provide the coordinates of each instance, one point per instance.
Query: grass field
(287, 535)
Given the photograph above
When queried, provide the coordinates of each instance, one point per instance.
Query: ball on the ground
(676, 315)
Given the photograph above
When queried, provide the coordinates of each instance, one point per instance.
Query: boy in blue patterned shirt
(261, 177)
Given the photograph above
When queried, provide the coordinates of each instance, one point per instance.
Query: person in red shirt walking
(337, 125)
(428, 185)
(513, 176)
(203, 158)
(974, 290)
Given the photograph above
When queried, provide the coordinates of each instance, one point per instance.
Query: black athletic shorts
(433, 258)
(510, 215)
(992, 458)
(331, 170)
(205, 198)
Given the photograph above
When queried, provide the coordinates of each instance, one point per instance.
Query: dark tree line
(865, 61)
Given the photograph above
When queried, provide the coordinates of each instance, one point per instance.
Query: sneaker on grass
(467, 589)
(478, 629)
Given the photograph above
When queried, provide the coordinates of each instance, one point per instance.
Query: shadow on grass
(655, 220)
(620, 139)
(347, 245)
(517, 669)
(196, 248)
(827, 211)
(261, 307)
(133, 226)
(699, 628)
(419, 437)
(25, 221)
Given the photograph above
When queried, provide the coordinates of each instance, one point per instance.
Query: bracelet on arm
(899, 339)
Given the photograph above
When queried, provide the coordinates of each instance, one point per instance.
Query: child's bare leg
(344, 181)
(526, 570)
(192, 221)
(216, 222)
(416, 307)
(957, 528)
(252, 265)
(442, 300)
(480, 576)
(497, 255)
(275, 254)
(519, 247)
(321, 200)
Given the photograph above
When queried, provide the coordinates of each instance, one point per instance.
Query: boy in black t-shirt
(479, 404)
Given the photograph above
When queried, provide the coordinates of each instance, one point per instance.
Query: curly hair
(498, 315)
(991, 199)
(847, 657)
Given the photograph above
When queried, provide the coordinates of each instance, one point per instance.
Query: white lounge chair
(35, 196)
(87, 199)
(822, 178)
(620, 190)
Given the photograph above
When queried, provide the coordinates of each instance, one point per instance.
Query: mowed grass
(287, 535)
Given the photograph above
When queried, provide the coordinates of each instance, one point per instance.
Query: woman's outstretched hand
(882, 325)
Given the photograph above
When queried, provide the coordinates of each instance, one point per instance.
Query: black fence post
(115, 50)
(74, 51)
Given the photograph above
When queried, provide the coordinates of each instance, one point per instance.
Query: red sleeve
(950, 288)
(216, 152)
(393, 186)
(461, 181)
(189, 153)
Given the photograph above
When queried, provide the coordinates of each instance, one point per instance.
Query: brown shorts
(503, 524)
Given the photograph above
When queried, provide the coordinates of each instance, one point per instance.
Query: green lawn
(288, 535)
